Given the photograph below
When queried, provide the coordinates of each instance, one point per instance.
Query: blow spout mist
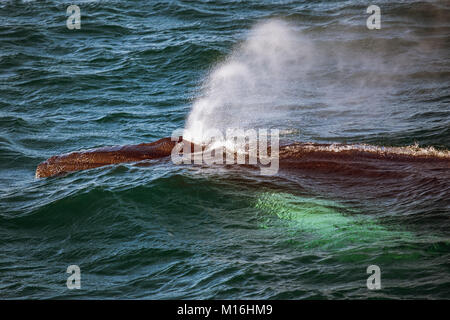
(242, 91)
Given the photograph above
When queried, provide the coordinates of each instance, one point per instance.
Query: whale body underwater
(341, 159)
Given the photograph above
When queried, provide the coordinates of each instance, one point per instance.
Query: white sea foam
(413, 150)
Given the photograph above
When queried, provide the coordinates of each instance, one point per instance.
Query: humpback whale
(356, 159)
(88, 159)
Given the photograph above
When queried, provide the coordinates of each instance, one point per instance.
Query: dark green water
(133, 72)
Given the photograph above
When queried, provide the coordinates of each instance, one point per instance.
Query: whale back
(93, 158)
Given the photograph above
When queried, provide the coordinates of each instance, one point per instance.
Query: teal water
(132, 74)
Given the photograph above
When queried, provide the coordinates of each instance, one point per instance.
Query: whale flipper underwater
(342, 158)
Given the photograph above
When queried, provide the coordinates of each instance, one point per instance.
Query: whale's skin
(323, 158)
(88, 159)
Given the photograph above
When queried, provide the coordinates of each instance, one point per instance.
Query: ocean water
(136, 71)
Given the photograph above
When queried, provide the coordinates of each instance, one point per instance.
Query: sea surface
(138, 70)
